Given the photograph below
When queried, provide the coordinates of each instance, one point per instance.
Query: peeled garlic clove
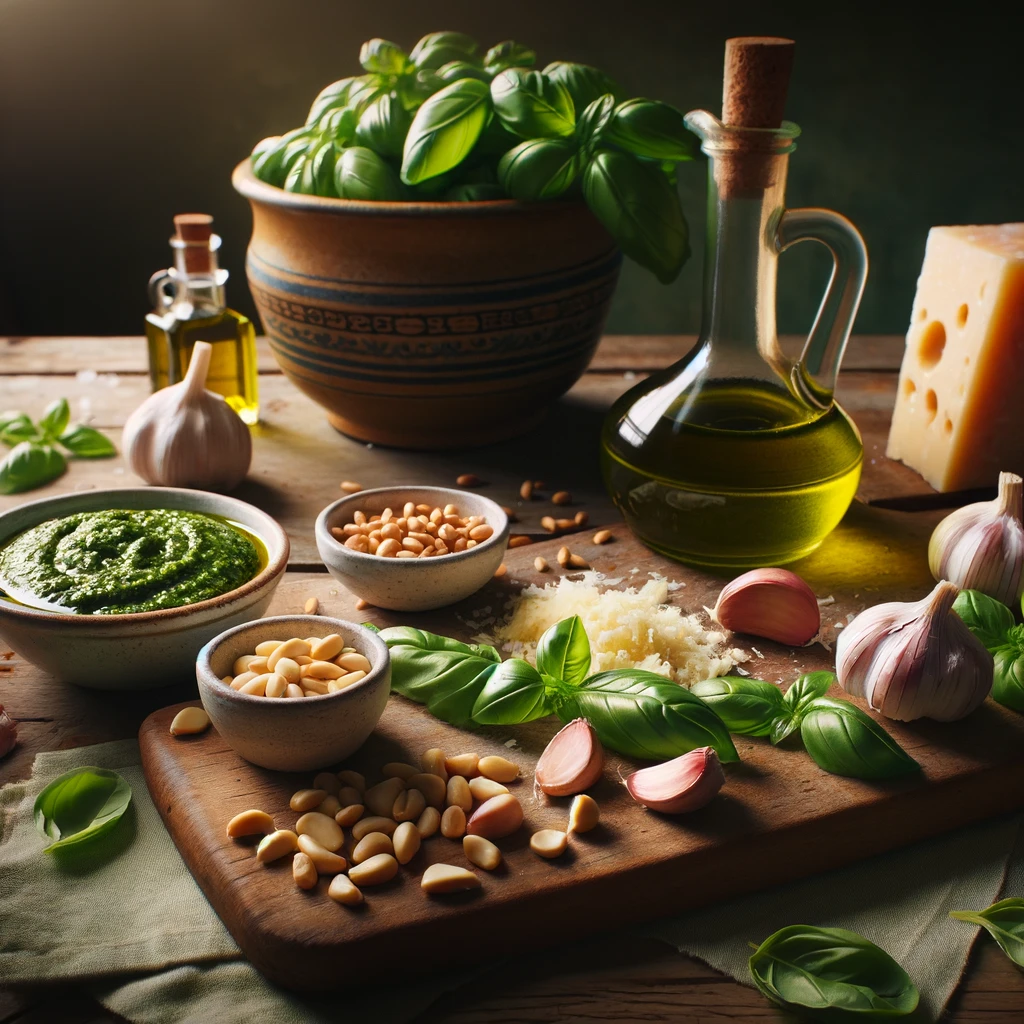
(683, 784)
(773, 603)
(572, 761)
(981, 546)
(915, 659)
(186, 436)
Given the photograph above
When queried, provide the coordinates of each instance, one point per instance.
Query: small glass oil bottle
(188, 306)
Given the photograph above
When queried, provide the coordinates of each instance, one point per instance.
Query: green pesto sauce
(119, 561)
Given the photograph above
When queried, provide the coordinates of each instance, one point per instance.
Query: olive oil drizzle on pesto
(118, 561)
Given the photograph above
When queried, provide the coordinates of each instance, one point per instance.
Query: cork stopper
(192, 231)
(754, 87)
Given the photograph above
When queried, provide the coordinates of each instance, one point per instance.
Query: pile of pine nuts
(465, 798)
(418, 532)
(298, 668)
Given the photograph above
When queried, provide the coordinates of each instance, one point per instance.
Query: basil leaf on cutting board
(80, 806)
(748, 707)
(1004, 921)
(807, 688)
(563, 651)
(994, 625)
(514, 693)
(831, 974)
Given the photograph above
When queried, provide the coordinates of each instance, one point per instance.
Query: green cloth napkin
(141, 913)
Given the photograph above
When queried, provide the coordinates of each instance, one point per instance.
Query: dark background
(117, 114)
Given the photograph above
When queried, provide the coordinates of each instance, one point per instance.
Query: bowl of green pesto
(119, 589)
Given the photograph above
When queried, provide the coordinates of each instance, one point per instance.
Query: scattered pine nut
(541, 564)
(304, 871)
(468, 480)
(409, 805)
(538, 485)
(375, 871)
(372, 845)
(563, 556)
(189, 722)
(584, 814)
(398, 770)
(380, 799)
(312, 606)
(324, 829)
(325, 862)
(429, 822)
(465, 765)
(306, 800)
(278, 844)
(561, 498)
(548, 843)
(250, 823)
(565, 524)
(602, 537)
(581, 518)
(512, 517)
(349, 815)
(519, 540)
(364, 826)
(343, 890)
(498, 769)
(526, 490)
(434, 763)
(407, 841)
(548, 523)
(351, 487)
(501, 570)
(481, 852)
(483, 789)
(433, 787)
(330, 806)
(347, 777)
(448, 878)
(458, 794)
(578, 562)
(453, 823)
(362, 604)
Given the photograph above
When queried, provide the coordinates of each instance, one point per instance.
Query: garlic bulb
(915, 659)
(981, 546)
(186, 436)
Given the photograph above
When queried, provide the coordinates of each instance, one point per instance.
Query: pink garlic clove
(8, 732)
(495, 818)
(683, 784)
(572, 761)
(773, 603)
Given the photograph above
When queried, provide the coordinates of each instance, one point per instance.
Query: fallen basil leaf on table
(16, 427)
(831, 974)
(563, 651)
(29, 465)
(514, 693)
(1004, 921)
(749, 707)
(807, 689)
(994, 625)
(843, 740)
(55, 418)
(80, 806)
(87, 443)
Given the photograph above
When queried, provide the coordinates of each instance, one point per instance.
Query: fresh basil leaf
(1004, 921)
(988, 619)
(783, 727)
(641, 714)
(475, 192)
(539, 169)
(1008, 677)
(563, 652)
(360, 174)
(16, 427)
(509, 54)
(495, 140)
(514, 693)
(409, 636)
(55, 418)
(831, 974)
(338, 125)
(533, 106)
(584, 83)
(383, 125)
(807, 689)
(592, 122)
(29, 465)
(87, 443)
(458, 43)
(383, 57)
(640, 210)
(843, 740)
(653, 130)
(455, 70)
(445, 129)
(334, 95)
(80, 806)
(748, 707)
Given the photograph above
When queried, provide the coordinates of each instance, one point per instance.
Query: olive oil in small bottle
(188, 306)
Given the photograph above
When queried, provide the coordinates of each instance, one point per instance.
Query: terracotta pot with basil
(434, 252)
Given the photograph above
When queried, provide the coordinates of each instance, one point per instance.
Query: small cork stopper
(195, 229)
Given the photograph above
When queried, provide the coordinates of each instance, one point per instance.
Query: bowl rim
(275, 565)
(322, 530)
(344, 626)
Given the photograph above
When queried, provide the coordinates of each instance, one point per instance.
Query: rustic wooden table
(298, 463)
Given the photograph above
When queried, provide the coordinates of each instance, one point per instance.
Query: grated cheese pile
(627, 628)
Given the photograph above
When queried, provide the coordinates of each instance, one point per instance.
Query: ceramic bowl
(412, 584)
(411, 323)
(144, 649)
(293, 735)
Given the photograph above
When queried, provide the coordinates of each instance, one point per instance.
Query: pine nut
(358, 542)
(433, 761)
(349, 814)
(391, 531)
(374, 823)
(481, 532)
(321, 670)
(563, 557)
(256, 687)
(409, 805)
(371, 845)
(349, 795)
(294, 690)
(278, 844)
(242, 664)
(483, 789)
(375, 871)
(343, 890)
(453, 823)
(406, 842)
(326, 831)
(386, 516)
(602, 537)
(328, 648)
(311, 685)
(267, 647)
(499, 769)
(541, 564)
(346, 680)
(398, 770)
(189, 722)
(462, 764)
(561, 498)
(347, 777)
(330, 806)
(388, 548)
(519, 540)
(303, 871)
(380, 799)
(429, 822)
(468, 480)
(440, 878)
(353, 662)
(548, 523)
(328, 782)
(250, 823)
(431, 786)
(581, 518)
(578, 562)
(362, 604)
(325, 862)
(245, 677)
(526, 490)
(500, 571)
(312, 606)
(276, 684)
(548, 843)
(481, 852)
(584, 814)
(286, 650)
(351, 487)
(458, 793)
(495, 818)
(288, 669)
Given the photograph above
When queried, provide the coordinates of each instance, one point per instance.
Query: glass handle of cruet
(814, 376)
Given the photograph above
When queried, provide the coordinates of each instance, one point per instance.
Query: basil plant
(444, 122)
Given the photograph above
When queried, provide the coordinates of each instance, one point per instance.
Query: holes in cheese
(909, 387)
(931, 403)
(932, 344)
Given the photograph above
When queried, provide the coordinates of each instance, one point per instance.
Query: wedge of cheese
(959, 416)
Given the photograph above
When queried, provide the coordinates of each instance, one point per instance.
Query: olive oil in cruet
(189, 306)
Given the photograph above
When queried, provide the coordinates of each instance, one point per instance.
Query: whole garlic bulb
(915, 659)
(981, 546)
(186, 436)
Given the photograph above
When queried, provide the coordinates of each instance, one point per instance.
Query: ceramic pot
(428, 325)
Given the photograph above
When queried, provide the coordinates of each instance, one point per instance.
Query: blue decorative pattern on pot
(428, 325)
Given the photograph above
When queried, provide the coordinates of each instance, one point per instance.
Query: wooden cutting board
(778, 818)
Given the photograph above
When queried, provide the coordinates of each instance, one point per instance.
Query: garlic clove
(495, 818)
(683, 784)
(186, 436)
(772, 603)
(572, 761)
(915, 659)
(981, 546)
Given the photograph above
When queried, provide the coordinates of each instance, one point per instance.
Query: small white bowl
(289, 734)
(412, 584)
(141, 650)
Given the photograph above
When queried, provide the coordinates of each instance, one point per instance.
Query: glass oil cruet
(737, 455)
